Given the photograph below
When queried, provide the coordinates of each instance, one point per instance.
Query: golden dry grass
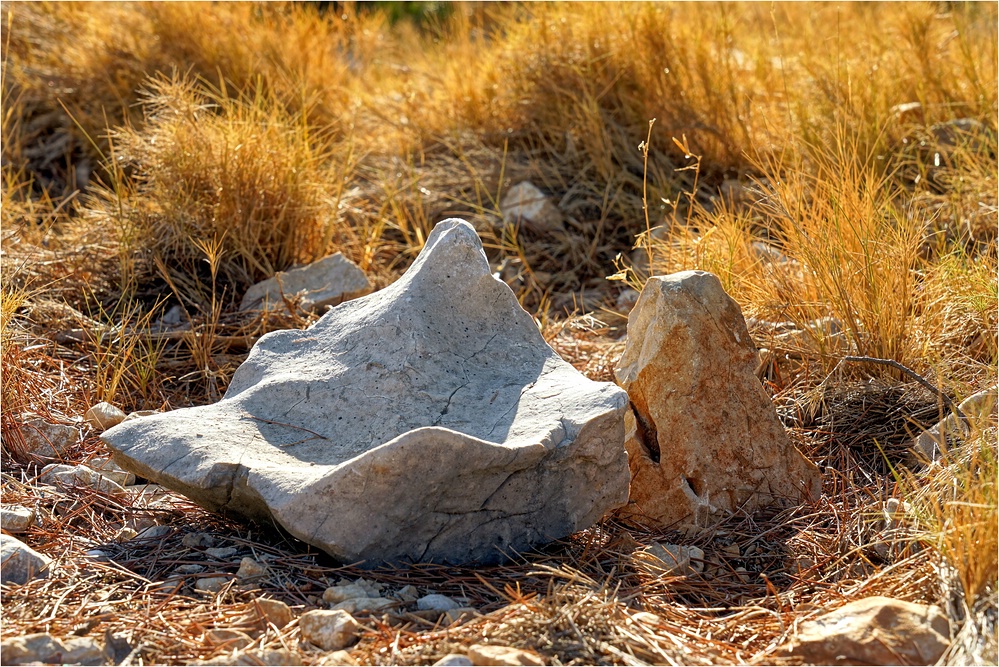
(835, 165)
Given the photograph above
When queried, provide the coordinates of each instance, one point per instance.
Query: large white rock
(326, 282)
(702, 435)
(426, 422)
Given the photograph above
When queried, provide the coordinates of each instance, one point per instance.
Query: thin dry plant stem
(911, 373)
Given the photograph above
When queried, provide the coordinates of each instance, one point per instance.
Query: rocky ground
(181, 179)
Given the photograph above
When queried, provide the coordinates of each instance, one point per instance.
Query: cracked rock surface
(428, 421)
(702, 435)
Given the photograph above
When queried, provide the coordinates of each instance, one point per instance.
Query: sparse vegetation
(834, 164)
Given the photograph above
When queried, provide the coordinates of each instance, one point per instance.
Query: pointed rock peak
(702, 435)
(429, 421)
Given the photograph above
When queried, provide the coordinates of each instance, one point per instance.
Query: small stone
(931, 443)
(154, 533)
(127, 533)
(221, 553)
(272, 612)
(320, 285)
(228, 639)
(211, 584)
(525, 205)
(96, 554)
(19, 563)
(173, 316)
(190, 568)
(195, 540)
(141, 522)
(16, 519)
(484, 654)
(45, 649)
(454, 660)
(342, 592)
(170, 584)
(338, 658)
(253, 657)
(674, 559)
(436, 602)
(408, 593)
(108, 468)
(48, 440)
(874, 631)
(374, 588)
(460, 615)
(103, 416)
(731, 551)
(78, 475)
(250, 569)
(330, 630)
(359, 605)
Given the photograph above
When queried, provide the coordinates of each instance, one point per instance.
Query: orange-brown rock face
(702, 435)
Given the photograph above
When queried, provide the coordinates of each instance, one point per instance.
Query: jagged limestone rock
(702, 435)
(425, 422)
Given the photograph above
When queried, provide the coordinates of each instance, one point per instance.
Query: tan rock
(251, 569)
(874, 631)
(347, 591)
(672, 559)
(364, 605)
(524, 204)
(78, 475)
(46, 649)
(702, 435)
(228, 639)
(211, 584)
(338, 658)
(255, 657)
(103, 416)
(272, 612)
(484, 654)
(16, 519)
(47, 440)
(330, 630)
